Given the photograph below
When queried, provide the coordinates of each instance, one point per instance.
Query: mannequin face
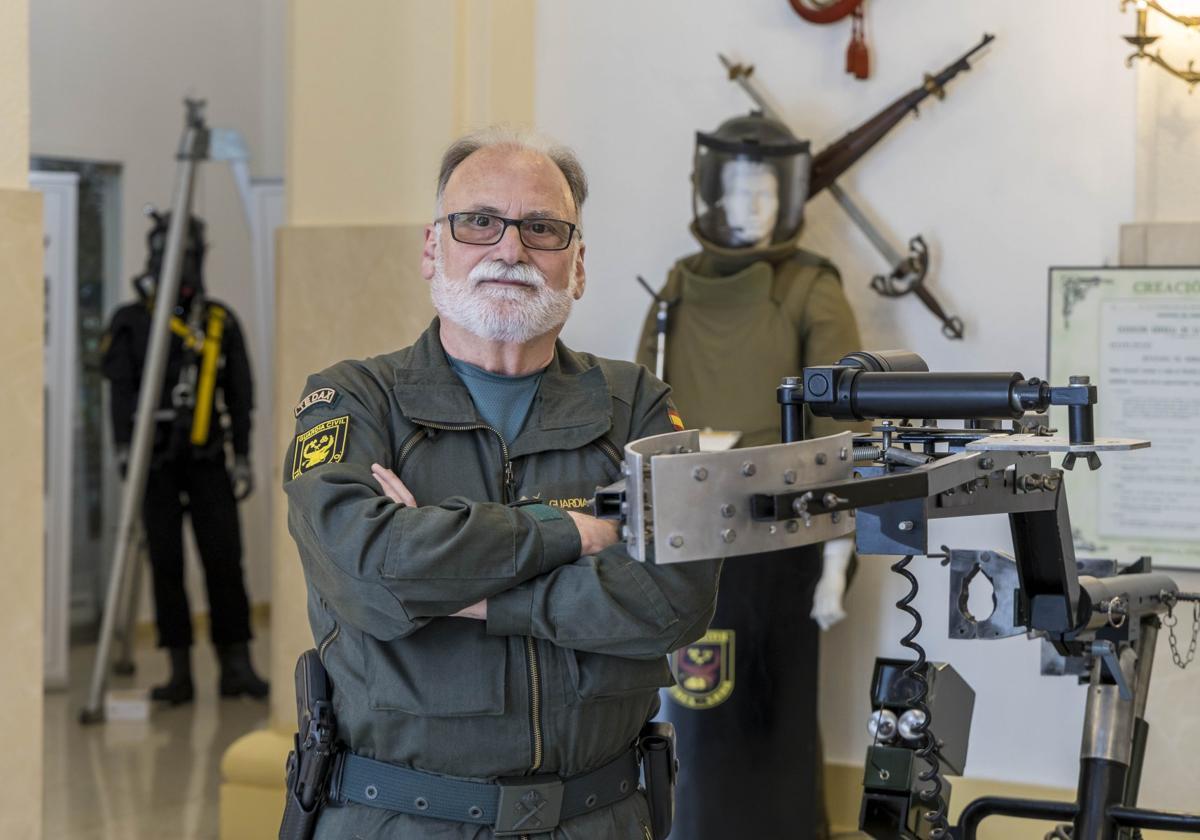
(751, 201)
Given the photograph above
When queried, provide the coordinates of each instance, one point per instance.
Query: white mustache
(500, 270)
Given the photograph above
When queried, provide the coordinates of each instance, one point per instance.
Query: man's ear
(429, 252)
(580, 272)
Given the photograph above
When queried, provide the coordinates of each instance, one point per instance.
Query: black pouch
(309, 763)
(656, 745)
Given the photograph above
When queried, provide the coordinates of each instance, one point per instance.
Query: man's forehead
(497, 178)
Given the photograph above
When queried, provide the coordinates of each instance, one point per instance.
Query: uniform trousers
(213, 510)
(752, 766)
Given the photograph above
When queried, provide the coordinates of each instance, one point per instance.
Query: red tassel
(858, 59)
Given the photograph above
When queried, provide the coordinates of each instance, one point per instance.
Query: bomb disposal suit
(567, 666)
(748, 309)
(207, 400)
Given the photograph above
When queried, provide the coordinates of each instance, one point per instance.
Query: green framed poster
(1136, 333)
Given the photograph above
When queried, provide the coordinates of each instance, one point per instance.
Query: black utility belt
(511, 806)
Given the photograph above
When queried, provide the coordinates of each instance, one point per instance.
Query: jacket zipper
(508, 490)
(327, 641)
(406, 448)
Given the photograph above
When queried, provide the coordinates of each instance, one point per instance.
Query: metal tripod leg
(193, 149)
(1107, 749)
(124, 665)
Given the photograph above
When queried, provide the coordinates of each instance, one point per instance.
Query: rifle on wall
(908, 273)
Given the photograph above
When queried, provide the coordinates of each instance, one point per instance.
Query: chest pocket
(435, 464)
(451, 668)
(568, 479)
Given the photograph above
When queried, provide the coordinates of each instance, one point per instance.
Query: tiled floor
(155, 780)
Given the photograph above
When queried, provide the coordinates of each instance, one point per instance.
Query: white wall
(1028, 163)
(108, 79)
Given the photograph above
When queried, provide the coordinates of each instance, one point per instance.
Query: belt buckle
(528, 805)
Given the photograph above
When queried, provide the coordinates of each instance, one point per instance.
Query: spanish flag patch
(673, 416)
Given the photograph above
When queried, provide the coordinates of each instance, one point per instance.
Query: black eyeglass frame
(519, 224)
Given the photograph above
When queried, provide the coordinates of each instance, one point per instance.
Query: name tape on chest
(324, 443)
(326, 396)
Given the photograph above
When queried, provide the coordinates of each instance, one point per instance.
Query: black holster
(656, 745)
(309, 763)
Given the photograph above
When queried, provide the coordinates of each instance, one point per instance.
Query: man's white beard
(510, 314)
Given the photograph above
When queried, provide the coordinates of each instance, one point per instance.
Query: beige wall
(14, 94)
(21, 491)
(376, 89)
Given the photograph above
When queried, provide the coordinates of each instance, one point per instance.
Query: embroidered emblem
(321, 395)
(571, 503)
(324, 443)
(704, 671)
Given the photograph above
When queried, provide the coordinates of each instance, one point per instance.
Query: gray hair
(514, 138)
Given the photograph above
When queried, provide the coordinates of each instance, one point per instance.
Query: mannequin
(751, 307)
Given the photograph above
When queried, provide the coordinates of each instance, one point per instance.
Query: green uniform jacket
(567, 667)
(743, 320)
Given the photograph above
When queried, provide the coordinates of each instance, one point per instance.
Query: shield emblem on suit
(704, 671)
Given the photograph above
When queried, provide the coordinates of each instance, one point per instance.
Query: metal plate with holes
(639, 517)
(1041, 443)
(700, 501)
(1001, 571)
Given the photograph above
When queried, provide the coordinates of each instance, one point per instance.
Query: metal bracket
(683, 504)
(1001, 571)
(1106, 652)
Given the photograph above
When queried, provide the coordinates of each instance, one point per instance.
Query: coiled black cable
(932, 795)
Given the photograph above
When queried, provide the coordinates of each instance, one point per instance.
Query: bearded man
(481, 631)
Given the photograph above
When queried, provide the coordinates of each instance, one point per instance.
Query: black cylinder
(1081, 424)
(885, 360)
(1101, 785)
(935, 396)
(790, 395)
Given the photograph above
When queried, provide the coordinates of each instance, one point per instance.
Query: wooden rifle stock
(831, 162)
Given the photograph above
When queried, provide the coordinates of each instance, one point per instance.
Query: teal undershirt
(502, 401)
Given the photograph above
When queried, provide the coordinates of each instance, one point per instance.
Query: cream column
(376, 90)
(21, 356)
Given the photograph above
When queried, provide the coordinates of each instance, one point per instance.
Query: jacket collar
(573, 404)
(722, 260)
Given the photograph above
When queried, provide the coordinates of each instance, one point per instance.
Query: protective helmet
(750, 182)
(191, 277)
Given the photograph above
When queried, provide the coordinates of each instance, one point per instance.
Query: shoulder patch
(673, 416)
(328, 396)
(324, 443)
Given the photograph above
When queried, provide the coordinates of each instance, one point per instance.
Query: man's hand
(392, 486)
(476, 611)
(595, 534)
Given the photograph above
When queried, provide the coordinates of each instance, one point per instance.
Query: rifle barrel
(831, 162)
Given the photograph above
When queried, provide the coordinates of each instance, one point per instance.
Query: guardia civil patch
(324, 443)
(704, 671)
(328, 396)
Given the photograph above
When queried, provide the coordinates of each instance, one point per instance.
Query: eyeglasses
(488, 229)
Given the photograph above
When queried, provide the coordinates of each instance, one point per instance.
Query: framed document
(1136, 333)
